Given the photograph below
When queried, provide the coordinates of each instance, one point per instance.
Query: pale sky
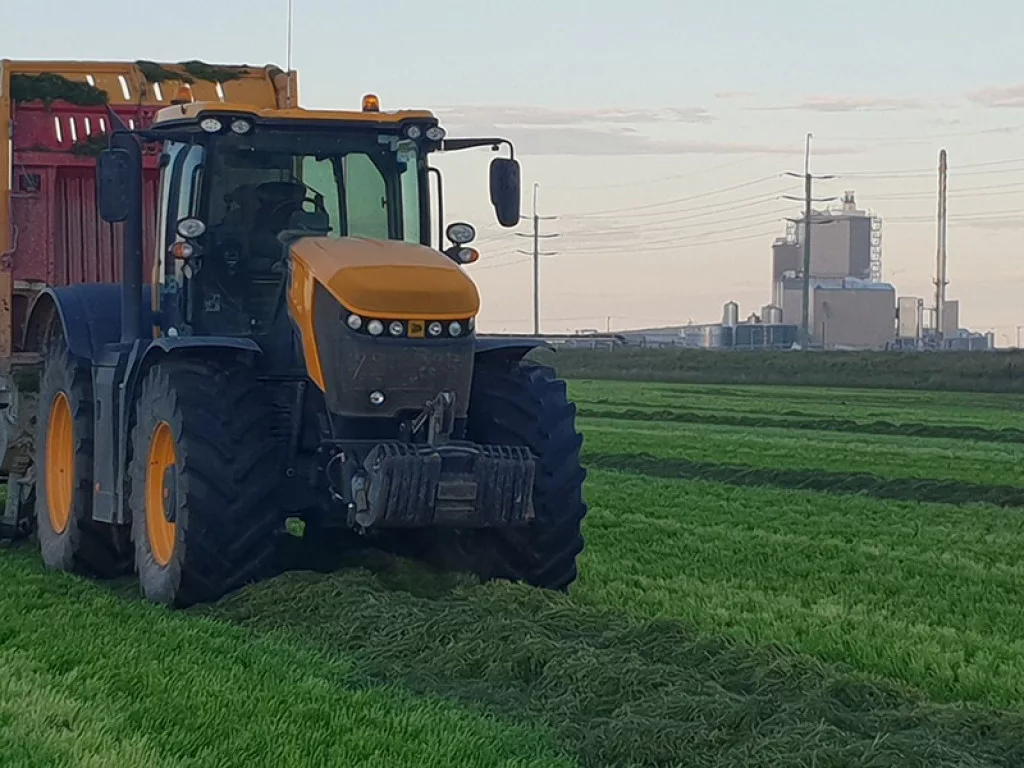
(656, 129)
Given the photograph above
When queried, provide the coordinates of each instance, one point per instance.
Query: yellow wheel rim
(60, 463)
(163, 456)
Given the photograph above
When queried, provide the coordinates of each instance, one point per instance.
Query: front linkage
(433, 479)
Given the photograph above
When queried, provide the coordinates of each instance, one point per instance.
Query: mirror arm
(456, 145)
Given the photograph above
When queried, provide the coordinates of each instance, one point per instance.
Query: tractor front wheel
(203, 469)
(526, 404)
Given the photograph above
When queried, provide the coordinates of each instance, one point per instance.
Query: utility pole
(805, 321)
(537, 237)
(940, 255)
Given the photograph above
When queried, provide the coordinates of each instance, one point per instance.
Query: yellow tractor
(306, 348)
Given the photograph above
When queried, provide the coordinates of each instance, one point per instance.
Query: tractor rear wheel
(69, 539)
(525, 404)
(203, 469)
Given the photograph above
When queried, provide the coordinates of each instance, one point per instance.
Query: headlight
(211, 125)
(455, 329)
(461, 233)
(413, 132)
(355, 322)
(435, 133)
(435, 329)
(191, 228)
(241, 126)
(396, 328)
(375, 327)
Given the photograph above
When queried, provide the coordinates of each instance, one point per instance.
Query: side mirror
(505, 190)
(114, 176)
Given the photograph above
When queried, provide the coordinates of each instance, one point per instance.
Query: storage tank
(711, 337)
(771, 315)
(731, 314)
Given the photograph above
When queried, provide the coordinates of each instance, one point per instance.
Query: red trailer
(50, 229)
(58, 117)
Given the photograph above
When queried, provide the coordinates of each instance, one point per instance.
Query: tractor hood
(385, 278)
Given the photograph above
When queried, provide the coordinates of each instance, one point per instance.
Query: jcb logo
(416, 329)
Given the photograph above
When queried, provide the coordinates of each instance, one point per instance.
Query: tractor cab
(239, 185)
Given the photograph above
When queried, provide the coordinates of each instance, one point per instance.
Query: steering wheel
(317, 203)
(289, 189)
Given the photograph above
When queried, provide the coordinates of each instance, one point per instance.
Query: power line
(675, 201)
(919, 172)
(982, 191)
(759, 222)
(979, 216)
(659, 179)
(674, 214)
(678, 246)
(500, 265)
(684, 223)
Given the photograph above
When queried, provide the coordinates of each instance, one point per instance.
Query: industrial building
(849, 306)
(757, 332)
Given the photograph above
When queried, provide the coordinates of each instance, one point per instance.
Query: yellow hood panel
(388, 278)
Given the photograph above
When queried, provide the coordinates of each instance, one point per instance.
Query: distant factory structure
(849, 306)
(764, 331)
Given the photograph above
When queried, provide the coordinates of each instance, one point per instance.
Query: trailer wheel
(527, 405)
(68, 537)
(203, 469)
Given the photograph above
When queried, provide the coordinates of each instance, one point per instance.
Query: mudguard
(509, 346)
(89, 315)
(112, 436)
(167, 344)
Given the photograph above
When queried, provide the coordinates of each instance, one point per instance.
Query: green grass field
(993, 371)
(750, 595)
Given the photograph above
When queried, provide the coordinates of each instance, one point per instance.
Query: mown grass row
(904, 489)
(616, 691)
(393, 665)
(1001, 371)
(924, 593)
(88, 678)
(980, 434)
(833, 455)
(953, 409)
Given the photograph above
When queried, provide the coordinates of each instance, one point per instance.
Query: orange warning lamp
(371, 103)
(184, 95)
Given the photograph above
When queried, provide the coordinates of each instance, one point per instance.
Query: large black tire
(217, 482)
(525, 404)
(69, 539)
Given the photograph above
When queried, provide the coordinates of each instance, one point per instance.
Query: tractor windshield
(335, 184)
